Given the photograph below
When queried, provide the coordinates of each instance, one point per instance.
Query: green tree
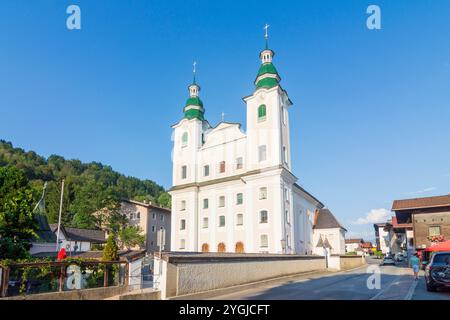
(131, 236)
(111, 250)
(164, 200)
(17, 223)
(89, 187)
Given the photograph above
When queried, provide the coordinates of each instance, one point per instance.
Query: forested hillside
(88, 186)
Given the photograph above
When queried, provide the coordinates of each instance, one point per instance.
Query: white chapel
(234, 191)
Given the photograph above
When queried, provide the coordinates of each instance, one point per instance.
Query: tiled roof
(76, 234)
(324, 219)
(348, 241)
(147, 205)
(421, 203)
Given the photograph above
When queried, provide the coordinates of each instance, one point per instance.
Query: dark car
(437, 272)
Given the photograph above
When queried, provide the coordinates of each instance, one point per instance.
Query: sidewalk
(399, 289)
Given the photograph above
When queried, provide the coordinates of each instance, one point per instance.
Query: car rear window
(442, 258)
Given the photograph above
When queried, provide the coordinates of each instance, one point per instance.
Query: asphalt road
(396, 284)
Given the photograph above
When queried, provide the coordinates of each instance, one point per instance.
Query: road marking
(411, 290)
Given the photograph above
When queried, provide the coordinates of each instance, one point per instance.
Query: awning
(439, 247)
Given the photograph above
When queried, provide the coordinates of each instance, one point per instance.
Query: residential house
(429, 217)
(352, 245)
(78, 240)
(150, 218)
(382, 237)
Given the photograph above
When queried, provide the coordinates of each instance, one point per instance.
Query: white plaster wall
(191, 277)
(335, 237)
(351, 247)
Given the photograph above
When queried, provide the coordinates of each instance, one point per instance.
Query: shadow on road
(394, 284)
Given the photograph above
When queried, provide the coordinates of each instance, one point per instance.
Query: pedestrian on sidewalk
(414, 263)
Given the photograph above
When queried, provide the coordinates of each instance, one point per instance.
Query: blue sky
(371, 114)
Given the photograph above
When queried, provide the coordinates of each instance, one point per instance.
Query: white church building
(234, 191)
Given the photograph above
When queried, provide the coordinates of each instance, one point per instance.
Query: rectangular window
(434, 231)
(222, 201)
(239, 198)
(262, 153)
(222, 221)
(182, 224)
(162, 217)
(285, 155)
(262, 193)
(205, 223)
(182, 244)
(153, 228)
(154, 216)
(264, 241)
(239, 163)
(288, 220)
(183, 172)
(222, 167)
(263, 216)
(240, 219)
(286, 194)
(183, 205)
(205, 203)
(206, 171)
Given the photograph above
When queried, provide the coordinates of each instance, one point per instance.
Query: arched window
(184, 139)
(221, 247)
(239, 247)
(205, 247)
(262, 112)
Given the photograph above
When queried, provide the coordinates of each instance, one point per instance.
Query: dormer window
(262, 113)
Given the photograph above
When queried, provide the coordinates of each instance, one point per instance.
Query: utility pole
(59, 217)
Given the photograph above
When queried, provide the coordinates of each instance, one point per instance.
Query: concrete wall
(86, 294)
(338, 262)
(188, 275)
(146, 294)
(350, 262)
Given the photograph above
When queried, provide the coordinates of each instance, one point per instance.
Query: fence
(50, 276)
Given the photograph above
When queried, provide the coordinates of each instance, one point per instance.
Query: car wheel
(431, 288)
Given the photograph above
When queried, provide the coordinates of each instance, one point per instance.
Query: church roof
(267, 68)
(194, 101)
(267, 83)
(324, 219)
(43, 231)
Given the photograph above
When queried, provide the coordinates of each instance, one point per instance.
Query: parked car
(388, 260)
(399, 257)
(437, 272)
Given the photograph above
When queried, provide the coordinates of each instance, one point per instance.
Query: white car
(388, 260)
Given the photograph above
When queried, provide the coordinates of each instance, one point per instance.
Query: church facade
(234, 191)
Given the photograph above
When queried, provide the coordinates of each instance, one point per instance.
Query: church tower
(267, 117)
(188, 137)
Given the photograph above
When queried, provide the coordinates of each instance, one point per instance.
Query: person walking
(414, 263)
